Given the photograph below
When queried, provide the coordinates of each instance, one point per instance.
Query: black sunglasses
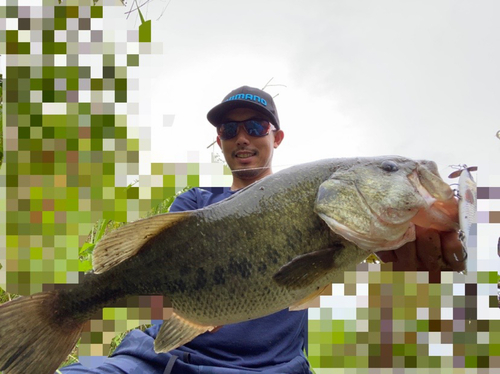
(253, 127)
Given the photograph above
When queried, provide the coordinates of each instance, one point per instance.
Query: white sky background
(419, 79)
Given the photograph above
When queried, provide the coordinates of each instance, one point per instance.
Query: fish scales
(260, 219)
(255, 238)
(232, 265)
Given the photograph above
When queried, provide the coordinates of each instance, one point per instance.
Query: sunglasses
(253, 127)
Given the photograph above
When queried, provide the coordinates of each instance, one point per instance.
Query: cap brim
(217, 115)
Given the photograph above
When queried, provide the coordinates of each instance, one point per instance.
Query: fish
(273, 245)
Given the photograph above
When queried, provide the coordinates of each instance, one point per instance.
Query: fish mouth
(374, 225)
(441, 210)
(438, 211)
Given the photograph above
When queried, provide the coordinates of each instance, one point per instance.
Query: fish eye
(389, 166)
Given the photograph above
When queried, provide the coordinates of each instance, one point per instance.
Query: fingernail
(464, 254)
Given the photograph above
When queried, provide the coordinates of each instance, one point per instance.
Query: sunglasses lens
(257, 128)
(228, 130)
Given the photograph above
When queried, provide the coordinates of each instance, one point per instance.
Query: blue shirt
(272, 344)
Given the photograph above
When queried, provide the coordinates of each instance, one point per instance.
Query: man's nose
(242, 136)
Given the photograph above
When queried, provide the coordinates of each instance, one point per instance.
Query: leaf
(102, 230)
(85, 266)
(86, 249)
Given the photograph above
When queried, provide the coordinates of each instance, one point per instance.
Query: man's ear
(278, 138)
(219, 142)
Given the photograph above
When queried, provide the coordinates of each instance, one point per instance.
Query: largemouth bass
(272, 245)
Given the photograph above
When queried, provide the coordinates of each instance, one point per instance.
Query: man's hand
(432, 250)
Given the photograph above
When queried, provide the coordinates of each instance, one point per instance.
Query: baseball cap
(245, 97)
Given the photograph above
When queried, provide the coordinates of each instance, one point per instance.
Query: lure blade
(457, 173)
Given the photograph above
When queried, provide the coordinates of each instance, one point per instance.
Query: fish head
(376, 202)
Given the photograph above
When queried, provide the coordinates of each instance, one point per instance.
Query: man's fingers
(387, 256)
(403, 259)
(432, 250)
(453, 253)
(428, 245)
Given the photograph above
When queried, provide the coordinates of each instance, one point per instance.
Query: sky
(353, 78)
(419, 79)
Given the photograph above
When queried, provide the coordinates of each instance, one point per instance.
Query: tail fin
(32, 340)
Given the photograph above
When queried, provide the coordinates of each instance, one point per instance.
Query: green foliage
(5, 296)
(85, 253)
(1, 121)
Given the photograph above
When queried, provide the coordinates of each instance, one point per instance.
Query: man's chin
(249, 172)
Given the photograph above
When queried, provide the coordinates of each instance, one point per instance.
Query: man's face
(248, 152)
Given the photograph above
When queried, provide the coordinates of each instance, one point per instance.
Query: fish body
(272, 245)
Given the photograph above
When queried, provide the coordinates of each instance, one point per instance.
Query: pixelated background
(76, 150)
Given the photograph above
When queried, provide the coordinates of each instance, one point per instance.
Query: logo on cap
(249, 97)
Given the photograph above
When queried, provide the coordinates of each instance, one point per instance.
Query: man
(248, 131)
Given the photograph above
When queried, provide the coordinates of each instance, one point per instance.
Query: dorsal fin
(126, 241)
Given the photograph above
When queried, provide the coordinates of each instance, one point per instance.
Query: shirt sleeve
(186, 201)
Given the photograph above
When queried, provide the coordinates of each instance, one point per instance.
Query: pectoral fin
(306, 269)
(177, 331)
(125, 242)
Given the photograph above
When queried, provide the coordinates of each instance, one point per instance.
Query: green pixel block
(11, 11)
(145, 32)
(121, 133)
(96, 11)
(60, 48)
(72, 12)
(132, 145)
(132, 193)
(60, 24)
(60, 12)
(47, 36)
(36, 84)
(96, 84)
(11, 36)
(121, 96)
(132, 60)
(24, 48)
(169, 180)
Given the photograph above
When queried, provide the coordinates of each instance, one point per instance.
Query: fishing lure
(467, 203)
